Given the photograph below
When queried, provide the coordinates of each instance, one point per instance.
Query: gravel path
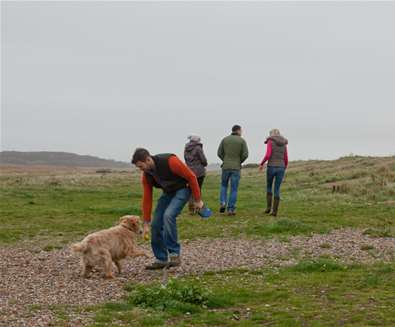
(32, 281)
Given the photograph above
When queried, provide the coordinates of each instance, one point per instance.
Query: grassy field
(55, 207)
(66, 205)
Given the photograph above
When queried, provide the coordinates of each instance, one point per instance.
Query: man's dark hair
(140, 154)
(236, 128)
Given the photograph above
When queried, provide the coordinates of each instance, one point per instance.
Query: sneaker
(157, 265)
(222, 209)
(231, 213)
(175, 261)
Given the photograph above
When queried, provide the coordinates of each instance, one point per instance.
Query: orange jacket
(178, 168)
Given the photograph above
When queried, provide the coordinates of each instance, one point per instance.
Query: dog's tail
(79, 247)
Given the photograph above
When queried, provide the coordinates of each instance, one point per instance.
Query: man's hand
(146, 230)
(261, 167)
(198, 204)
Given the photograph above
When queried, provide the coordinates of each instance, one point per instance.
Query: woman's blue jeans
(275, 174)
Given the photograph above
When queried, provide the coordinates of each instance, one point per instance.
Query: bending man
(167, 172)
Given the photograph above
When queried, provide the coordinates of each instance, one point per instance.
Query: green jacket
(233, 151)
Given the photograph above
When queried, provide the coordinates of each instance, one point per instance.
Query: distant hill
(46, 158)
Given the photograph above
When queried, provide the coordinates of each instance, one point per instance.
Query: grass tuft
(285, 225)
(325, 246)
(51, 247)
(378, 232)
(318, 265)
(367, 247)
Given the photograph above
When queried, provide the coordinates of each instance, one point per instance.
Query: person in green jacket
(233, 151)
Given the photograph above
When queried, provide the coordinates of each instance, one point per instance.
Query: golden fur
(110, 245)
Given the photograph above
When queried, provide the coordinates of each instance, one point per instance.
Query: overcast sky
(103, 78)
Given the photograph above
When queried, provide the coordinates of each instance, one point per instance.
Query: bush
(359, 174)
(179, 295)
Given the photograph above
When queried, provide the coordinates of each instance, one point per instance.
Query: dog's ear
(134, 221)
(123, 218)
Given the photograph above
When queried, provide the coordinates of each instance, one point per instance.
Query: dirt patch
(36, 285)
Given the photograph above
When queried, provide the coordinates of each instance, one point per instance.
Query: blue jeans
(164, 239)
(276, 174)
(234, 177)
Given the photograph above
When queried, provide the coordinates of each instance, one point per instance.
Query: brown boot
(276, 203)
(269, 197)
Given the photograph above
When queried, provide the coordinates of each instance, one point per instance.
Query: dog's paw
(109, 276)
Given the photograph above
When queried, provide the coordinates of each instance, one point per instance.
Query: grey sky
(103, 78)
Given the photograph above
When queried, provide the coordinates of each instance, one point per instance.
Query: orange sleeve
(147, 199)
(182, 170)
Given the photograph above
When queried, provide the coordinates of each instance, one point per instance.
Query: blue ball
(205, 212)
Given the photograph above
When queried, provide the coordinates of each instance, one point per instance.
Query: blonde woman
(277, 158)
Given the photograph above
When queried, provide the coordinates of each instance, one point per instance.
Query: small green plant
(367, 247)
(325, 246)
(184, 296)
(51, 247)
(34, 307)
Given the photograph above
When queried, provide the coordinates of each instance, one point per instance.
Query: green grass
(311, 293)
(67, 207)
(64, 210)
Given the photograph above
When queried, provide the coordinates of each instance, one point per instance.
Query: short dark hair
(140, 154)
(236, 128)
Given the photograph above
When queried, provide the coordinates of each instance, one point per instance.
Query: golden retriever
(110, 245)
